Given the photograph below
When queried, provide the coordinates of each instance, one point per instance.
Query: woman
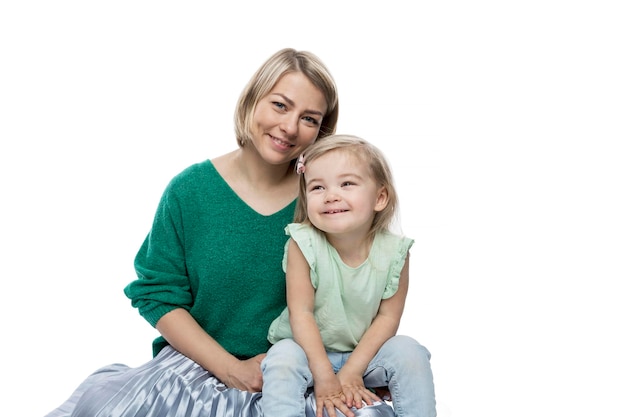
(209, 272)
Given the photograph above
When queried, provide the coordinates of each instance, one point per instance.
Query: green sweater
(211, 254)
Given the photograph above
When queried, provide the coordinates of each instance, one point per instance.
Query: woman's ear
(382, 199)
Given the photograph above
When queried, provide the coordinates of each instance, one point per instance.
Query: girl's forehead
(347, 155)
(341, 161)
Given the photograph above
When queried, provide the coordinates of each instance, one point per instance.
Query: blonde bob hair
(286, 61)
(364, 152)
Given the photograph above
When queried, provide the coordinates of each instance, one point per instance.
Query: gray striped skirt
(171, 385)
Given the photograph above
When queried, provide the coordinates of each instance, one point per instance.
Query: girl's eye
(316, 187)
(347, 183)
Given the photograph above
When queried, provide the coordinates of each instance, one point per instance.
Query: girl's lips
(335, 211)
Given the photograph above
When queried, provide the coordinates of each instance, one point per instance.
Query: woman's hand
(184, 333)
(246, 375)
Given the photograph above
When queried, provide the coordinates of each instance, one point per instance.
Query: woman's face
(287, 120)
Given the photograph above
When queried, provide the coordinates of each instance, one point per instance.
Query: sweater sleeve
(162, 283)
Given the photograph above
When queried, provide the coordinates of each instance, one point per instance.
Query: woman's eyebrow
(291, 103)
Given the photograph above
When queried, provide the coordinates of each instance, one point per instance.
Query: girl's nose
(331, 196)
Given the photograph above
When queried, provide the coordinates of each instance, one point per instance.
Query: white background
(504, 123)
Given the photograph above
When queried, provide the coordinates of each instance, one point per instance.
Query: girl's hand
(328, 395)
(354, 390)
(246, 375)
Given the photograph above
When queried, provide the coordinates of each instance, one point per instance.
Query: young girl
(347, 281)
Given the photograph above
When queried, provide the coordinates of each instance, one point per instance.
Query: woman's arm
(185, 335)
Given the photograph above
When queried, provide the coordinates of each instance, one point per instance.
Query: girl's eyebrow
(350, 175)
(291, 103)
(342, 177)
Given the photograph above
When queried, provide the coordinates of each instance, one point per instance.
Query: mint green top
(213, 255)
(346, 298)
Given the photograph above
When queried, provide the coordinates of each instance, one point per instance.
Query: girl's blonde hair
(364, 152)
(286, 61)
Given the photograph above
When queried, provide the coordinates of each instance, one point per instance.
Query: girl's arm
(384, 326)
(301, 304)
(185, 335)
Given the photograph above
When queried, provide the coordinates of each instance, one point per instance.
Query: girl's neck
(353, 250)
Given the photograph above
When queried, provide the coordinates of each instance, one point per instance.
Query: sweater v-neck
(226, 186)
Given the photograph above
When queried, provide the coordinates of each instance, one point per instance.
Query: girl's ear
(382, 199)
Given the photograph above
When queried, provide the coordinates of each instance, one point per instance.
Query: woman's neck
(258, 173)
(264, 187)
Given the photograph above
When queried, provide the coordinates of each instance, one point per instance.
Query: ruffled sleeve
(398, 247)
(307, 239)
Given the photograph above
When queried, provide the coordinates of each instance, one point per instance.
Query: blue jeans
(401, 364)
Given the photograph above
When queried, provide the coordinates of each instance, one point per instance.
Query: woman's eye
(279, 104)
(311, 120)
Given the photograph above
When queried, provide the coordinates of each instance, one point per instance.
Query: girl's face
(342, 197)
(287, 120)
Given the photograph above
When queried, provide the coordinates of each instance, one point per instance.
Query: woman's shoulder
(194, 175)
(202, 168)
(192, 183)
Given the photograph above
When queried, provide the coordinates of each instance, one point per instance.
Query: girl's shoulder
(387, 239)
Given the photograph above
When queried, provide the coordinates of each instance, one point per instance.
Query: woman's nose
(289, 126)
